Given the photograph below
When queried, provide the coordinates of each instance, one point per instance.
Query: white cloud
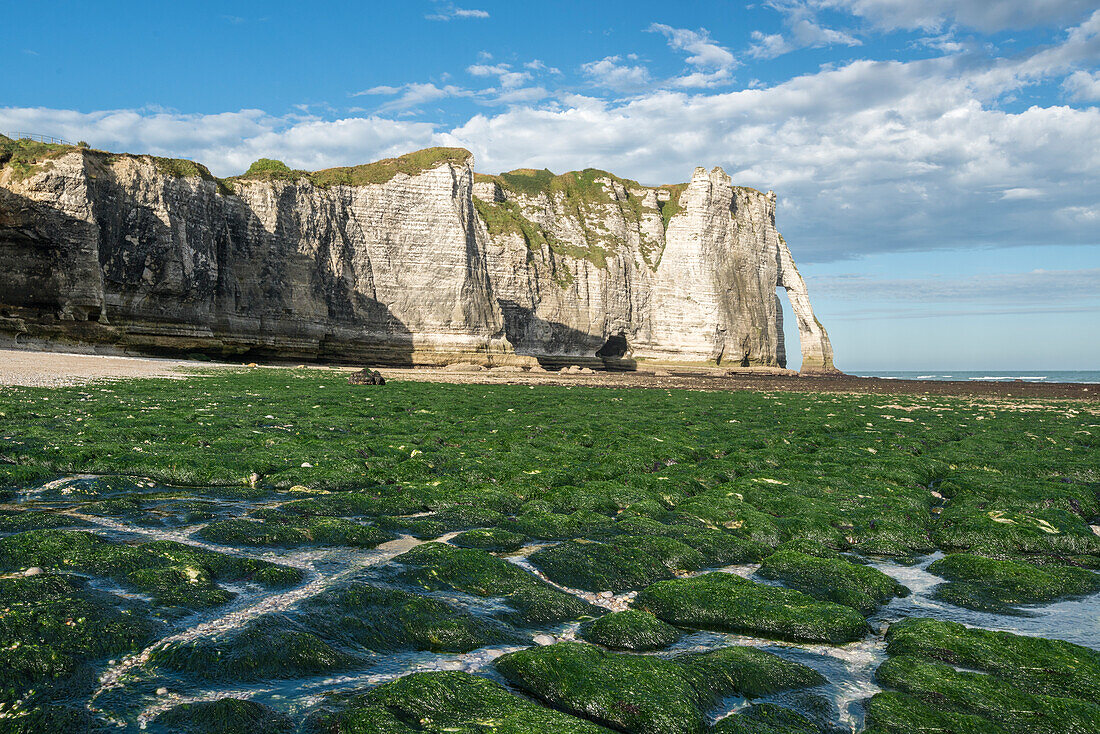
(1082, 86)
(1037, 286)
(803, 31)
(984, 15)
(609, 72)
(712, 62)
(451, 12)
(411, 96)
(508, 79)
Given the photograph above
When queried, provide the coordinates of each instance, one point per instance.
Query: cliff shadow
(530, 336)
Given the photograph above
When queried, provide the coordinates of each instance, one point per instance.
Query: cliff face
(403, 264)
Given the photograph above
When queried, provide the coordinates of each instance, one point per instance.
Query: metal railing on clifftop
(36, 138)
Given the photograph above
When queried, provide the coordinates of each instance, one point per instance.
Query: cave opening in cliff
(788, 347)
(616, 347)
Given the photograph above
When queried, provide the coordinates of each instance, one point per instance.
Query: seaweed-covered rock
(52, 628)
(272, 647)
(729, 603)
(557, 526)
(458, 517)
(972, 522)
(766, 718)
(718, 547)
(223, 716)
(1035, 664)
(832, 579)
(725, 509)
(646, 694)
(16, 521)
(437, 566)
(947, 689)
(366, 616)
(489, 539)
(891, 712)
(291, 531)
(630, 630)
(599, 566)
(991, 584)
(448, 702)
(172, 573)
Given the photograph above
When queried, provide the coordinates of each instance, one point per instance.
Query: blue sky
(937, 163)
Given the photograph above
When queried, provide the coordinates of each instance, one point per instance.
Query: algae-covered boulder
(717, 547)
(728, 603)
(630, 630)
(646, 694)
(291, 531)
(489, 539)
(173, 574)
(832, 579)
(272, 647)
(387, 620)
(558, 526)
(991, 584)
(223, 716)
(1038, 665)
(599, 566)
(436, 566)
(891, 712)
(451, 703)
(766, 718)
(947, 689)
(52, 628)
(457, 517)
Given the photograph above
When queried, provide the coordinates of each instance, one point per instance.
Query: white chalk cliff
(414, 260)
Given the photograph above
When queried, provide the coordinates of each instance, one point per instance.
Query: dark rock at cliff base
(366, 377)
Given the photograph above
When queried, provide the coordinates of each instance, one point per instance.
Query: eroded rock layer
(414, 260)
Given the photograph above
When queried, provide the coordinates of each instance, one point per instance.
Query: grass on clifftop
(24, 155)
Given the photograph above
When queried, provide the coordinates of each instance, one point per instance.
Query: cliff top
(378, 172)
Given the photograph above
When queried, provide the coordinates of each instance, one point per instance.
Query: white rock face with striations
(408, 261)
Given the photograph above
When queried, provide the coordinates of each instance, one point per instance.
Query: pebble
(307, 465)
(543, 640)
(162, 691)
(33, 571)
(607, 594)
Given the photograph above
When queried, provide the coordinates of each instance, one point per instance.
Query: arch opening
(788, 343)
(616, 347)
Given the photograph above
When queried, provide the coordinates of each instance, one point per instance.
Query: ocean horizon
(984, 375)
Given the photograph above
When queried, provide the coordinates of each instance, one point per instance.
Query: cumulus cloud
(611, 72)
(1082, 86)
(988, 16)
(711, 62)
(803, 31)
(508, 78)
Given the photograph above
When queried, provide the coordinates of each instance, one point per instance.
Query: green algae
(560, 526)
(223, 716)
(173, 574)
(766, 718)
(388, 620)
(832, 579)
(436, 566)
(16, 521)
(53, 627)
(447, 702)
(728, 603)
(489, 539)
(1040, 666)
(646, 694)
(447, 520)
(273, 647)
(991, 584)
(633, 630)
(947, 689)
(896, 713)
(599, 566)
(284, 531)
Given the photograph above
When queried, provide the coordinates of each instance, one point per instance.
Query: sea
(994, 375)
